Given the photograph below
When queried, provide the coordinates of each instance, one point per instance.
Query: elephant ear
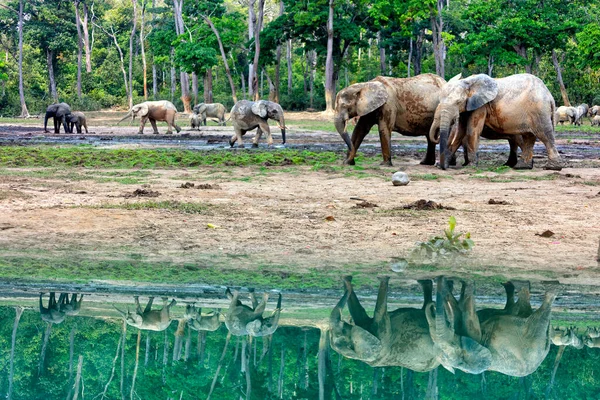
(372, 95)
(254, 327)
(456, 78)
(143, 109)
(482, 89)
(366, 345)
(475, 357)
(260, 108)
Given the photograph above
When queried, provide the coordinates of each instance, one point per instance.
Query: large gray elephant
(403, 105)
(153, 111)
(247, 115)
(564, 114)
(210, 110)
(516, 105)
(243, 320)
(580, 112)
(513, 341)
(148, 319)
(70, 306)
(396, 338)
(202, 322)
(59, 113)
(53, 313)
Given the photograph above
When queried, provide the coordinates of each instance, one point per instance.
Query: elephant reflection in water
(202, 322)
(243, 320)
(566, 337)
(591, 337)
(56, 311)
(514, 340)
(148, 319)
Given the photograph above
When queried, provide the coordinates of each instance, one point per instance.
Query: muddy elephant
(395, 338)
(564, 114)
(595, 110)
(516, 105)
(60, 114)
(210, 110)
(514, 341)
(202, 322)
(580, 112)
(77, 119)
(70, 306)
(403, 105)
(566, 337)
(153, 111)
(247, 115)
(53, 313)
(195, 122)
(243, 320)
(148, 319)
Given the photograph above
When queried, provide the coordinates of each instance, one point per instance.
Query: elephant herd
(574, 115)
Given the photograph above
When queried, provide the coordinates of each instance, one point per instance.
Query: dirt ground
(310, 219)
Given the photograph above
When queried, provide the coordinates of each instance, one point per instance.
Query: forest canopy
(98, 54)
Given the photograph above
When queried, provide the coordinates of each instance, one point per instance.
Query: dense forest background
(97, 54)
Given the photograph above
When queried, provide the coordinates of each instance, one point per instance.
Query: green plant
(448, 245)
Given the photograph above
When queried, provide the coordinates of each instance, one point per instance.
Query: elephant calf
(243, 320)
(566, 337)
(212, 110)
(596, 120)
(78, 120)
(247, 115)
(148, 319)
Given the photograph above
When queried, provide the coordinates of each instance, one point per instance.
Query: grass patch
(428, 177)
(170, 205)
(80, 156)
(123, 177)
(517, 177)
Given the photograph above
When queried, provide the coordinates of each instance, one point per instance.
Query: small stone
(400, 178)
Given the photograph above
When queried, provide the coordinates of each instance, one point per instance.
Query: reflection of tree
(11, 374)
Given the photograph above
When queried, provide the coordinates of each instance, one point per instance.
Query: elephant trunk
(445, 122)
(434, 131)
(282, 127)
(123, 313)
(46, 121)
(341, 125)
(129, 114)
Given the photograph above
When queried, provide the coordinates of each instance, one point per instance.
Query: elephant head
(350, 340)
(355, 101)
(199, 108)
(270, 110)
(138, 110)
(133, 319)
(458, 351)
(459, 95)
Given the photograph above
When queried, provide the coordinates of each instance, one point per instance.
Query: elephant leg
(155, 128)
(260, 309)
(238, 137)
(264, 126)
(381, 318)
(427, 286)
(361, 130)
(429, 158)
(357, 311)
(522, 307)
(253, 299)
(56, 125)
(148, 306)
(539, 321)
(470, 320)
(547, 138)
(509, 306)
(514, 144)
(85, 126)
(142, 124)
(473, 131)
(65, 125)
(385, 137)
(257, 136)
(78, 128)
(526, 159)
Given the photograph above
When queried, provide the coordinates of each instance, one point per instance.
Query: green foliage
(169, 205)
(446, 246)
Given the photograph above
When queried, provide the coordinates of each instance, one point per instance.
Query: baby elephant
(195, 121)
(78, 120)
(596, 120)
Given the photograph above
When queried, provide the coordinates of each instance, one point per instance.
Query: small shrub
(448, 245)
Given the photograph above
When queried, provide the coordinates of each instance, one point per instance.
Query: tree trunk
(44, 348)
(251, 30)
(410, 52)
(281, 371)
(329, 78)
(322, 357)
(114, 365)
(439, 47)
(86, 38)
(24, 111)
(177, 346)
(78, 378)
(195, 87)
(278, 63)
(214, 381)
(289, 66)
(71, 353)
(418, 54)
(432, 386)
(490, 65)
(223, 56)
(147, 354)
(201, 346)
(142, 47)
(131, 40)
(258, 28)
(173, 75)
(137, 363)
(122, 385)
(11, 373)
(559, 354)
(50, 64)
(79, 48)
(247, 360)
(561, 84)
(381, 54)
(313, 73)
(521, 50)
(208, 86)
(184, 78)
(272, 88)
(188, 344)
(154, 81)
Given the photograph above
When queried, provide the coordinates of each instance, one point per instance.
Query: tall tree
(184, 78)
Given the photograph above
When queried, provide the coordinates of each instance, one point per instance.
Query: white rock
(400, 178)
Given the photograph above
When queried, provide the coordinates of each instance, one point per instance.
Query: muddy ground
(306, 218)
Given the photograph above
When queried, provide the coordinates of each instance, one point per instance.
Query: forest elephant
(596, 120)
(53, 313)
(195, 122)
(591, 337)
(60, 114)
(595, 110)
(148, 319)
(210, 110)
(162, 110)
(516, 105)
(513, 341)
(70, 306)
(580, 112)
(202, 322)
(247, 115)
(395, 338)
(77, 119)
(566, 337)
(243, 320)
(403, 105)
(564, 114)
